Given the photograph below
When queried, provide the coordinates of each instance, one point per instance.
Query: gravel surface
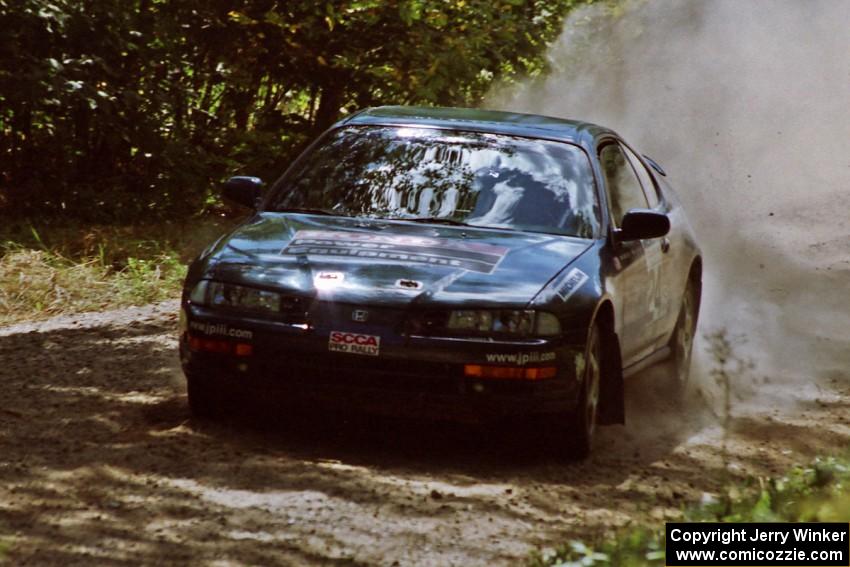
(101, 463)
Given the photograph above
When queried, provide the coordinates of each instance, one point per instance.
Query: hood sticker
(473, 256)
(328, 280)
(574, 279)
(409, 284)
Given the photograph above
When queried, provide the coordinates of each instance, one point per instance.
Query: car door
(658, 258)
(625, 193)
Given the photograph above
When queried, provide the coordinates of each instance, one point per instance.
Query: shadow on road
(100, 461)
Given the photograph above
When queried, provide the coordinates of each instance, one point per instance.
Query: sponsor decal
(521, 358)
(327, 280)
(221, 329)
(360, 315)
(473, 256)
(574, 279)
(354, 343)
(408, 284)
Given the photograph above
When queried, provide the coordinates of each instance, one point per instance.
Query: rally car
(449, 264)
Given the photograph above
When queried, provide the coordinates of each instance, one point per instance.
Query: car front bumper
(419, 377)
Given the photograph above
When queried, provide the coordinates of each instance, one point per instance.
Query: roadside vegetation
(819, 492)
(47, 270)
(112, 110)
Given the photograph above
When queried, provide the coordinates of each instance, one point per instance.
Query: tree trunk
(330, 103)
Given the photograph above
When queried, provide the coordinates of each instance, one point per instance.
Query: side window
(645, 178)
(623, 187)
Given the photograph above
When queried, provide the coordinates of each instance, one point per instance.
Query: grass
(52, 270)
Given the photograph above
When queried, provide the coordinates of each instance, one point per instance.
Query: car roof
(498, 122)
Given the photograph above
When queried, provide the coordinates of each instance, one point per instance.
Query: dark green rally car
(448, 264)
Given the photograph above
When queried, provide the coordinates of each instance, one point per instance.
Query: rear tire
(583, 420)
(682, 341)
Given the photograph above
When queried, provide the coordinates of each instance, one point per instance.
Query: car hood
(378, 262)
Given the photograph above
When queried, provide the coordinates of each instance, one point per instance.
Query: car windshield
(444, 176)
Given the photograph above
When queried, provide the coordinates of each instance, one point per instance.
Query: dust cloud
(747, 107)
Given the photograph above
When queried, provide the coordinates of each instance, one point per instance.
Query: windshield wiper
(430, 220)
(308, 211)
(449, 222)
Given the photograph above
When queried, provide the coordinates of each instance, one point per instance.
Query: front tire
(204, 397)
(584, 418)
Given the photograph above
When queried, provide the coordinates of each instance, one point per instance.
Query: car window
(476, 178)
(645, 177)
(623, 186)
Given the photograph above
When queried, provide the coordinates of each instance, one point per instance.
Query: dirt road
(100, 463)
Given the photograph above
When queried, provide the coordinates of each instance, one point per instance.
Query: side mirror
(243, 190)
(639, 224)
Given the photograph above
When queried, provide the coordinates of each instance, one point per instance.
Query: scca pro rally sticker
(473, 256)
(354, 343)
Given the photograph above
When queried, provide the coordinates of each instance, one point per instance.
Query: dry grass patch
(49, 270)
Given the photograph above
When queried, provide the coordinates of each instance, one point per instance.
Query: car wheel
(204, 397)
(584, 417)
(682, 341)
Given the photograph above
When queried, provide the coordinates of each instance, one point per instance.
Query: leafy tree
(112, 109)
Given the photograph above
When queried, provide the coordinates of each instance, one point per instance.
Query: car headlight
(518, 322)
(218, 294)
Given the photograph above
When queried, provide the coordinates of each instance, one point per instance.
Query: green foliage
(4, 549)
(125, 109)
(639, 547)
(816, 493)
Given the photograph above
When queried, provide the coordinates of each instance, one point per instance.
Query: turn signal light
(218, 346)
(510, 372)
(243, 349)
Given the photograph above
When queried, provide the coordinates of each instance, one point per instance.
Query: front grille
(293, 309)
(362, 372)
